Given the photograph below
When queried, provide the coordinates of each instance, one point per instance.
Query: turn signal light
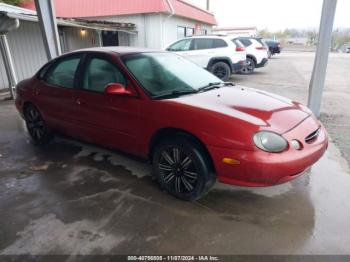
(230, 161)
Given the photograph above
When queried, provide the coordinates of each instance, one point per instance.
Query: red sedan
(193, 127)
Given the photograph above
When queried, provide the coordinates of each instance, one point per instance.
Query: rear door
(203, 49)
(110, 120)
(55, 92)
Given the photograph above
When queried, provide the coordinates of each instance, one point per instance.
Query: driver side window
(182, 45)
(99, 73)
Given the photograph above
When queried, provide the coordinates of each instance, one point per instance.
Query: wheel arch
(25, 106)
(224, 59)
(171, 132)
(253, 58)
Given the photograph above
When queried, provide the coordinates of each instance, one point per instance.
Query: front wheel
(39, 132)
(183, 168)
(249, 66)
(221, 70)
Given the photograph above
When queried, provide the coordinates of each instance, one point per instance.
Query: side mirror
(117, 89)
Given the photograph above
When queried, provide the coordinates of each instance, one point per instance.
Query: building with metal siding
(27, 48)
(157, 24)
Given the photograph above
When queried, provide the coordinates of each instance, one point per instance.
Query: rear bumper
(263, 63)
(258, 168)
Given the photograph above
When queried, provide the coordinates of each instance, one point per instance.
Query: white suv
(218, 54)
(257, 53)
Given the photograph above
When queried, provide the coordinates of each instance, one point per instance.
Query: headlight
(270, 142)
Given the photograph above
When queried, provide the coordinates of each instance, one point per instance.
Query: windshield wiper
(214, 85)
(175, 93)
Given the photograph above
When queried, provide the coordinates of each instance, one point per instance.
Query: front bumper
(263, 63)
(258, 168)
(237, 67)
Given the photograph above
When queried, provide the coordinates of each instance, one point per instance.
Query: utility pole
(320, 64)
(208, 5)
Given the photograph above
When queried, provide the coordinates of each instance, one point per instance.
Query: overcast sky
(274, 14)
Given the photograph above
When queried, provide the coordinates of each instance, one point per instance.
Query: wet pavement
(74, 198)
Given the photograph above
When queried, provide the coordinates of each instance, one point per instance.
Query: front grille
(312, 136)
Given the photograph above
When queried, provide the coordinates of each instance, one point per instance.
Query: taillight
(240, 49)
(261, 48)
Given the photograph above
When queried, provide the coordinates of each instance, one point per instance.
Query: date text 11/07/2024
(173, 258)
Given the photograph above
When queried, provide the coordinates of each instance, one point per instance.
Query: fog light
(296, 144)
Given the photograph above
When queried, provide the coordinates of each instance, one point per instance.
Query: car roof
(206, 36)
(121, 50)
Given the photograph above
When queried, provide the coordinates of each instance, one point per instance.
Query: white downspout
(172, 12)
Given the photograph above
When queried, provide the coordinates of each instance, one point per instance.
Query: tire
(39, 132)
(183, 168)
(249, 67)
(221, 70)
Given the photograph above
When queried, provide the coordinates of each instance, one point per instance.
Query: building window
(189, 31)
(181, 32)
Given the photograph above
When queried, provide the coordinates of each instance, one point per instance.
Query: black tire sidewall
(253, 63)
(225, 66)
(48, 133)
(192, 149)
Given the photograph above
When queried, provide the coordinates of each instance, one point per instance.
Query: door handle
(78, 101)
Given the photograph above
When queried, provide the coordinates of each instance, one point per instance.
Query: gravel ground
(289, 74)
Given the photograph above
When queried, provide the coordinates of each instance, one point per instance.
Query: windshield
(164, 73)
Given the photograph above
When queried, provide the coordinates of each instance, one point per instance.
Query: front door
(109, 120)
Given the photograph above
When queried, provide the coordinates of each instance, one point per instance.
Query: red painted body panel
(224, 120)
(100, 8)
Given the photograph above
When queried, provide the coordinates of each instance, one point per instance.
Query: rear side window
(245, 42)
(182, 45)
(219, 43)
(99, 73)
(199, 44)
(63, 72)
(43, 70)
(237, 43)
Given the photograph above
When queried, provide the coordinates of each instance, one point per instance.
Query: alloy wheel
(177, 170)
(220, 72)
(35, 124)
(248, 68)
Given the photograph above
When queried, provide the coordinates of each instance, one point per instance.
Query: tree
(11, 2)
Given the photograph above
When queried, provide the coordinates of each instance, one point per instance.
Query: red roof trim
(103, 8)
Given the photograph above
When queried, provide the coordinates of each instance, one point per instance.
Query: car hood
(259, 108)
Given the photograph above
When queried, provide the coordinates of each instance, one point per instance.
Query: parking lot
(75, 198)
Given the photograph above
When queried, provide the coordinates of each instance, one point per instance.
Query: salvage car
(193, 127)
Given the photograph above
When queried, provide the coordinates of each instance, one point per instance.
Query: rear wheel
(249, 66)
(221, 70)
(39, 132)
(182, 168)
